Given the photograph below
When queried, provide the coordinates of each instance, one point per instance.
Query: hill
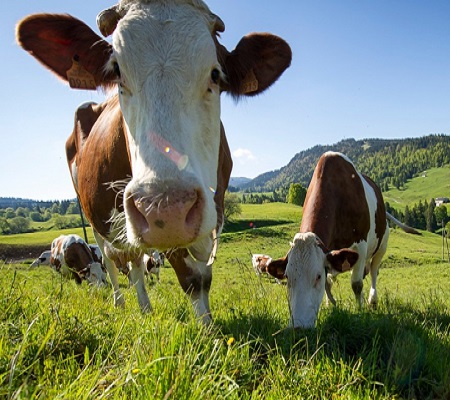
(389, 162)
(432, 183)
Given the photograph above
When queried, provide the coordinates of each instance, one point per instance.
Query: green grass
(63, 341)
(43, 237)
(436, 183)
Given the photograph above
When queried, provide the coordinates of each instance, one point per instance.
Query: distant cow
(71, 256)
(260, 262)
(153, 264)
(43, 259)
(343, 227)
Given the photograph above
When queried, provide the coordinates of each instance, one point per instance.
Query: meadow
(63, 341)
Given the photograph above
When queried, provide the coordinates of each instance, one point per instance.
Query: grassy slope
(435, 184)
(59, 340)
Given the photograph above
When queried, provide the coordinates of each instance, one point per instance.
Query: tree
(36, 216)
(430, 217)
(9, 213)
(231, 206)
(22, 212)
(409, 220)
(19, 224)
(73, 208)
(4, 225)
(441, 214)
(297, 194)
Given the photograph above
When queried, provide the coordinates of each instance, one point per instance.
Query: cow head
(94, 274)
(305, 267)
(169, 70)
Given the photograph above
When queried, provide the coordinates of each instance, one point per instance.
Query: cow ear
(342, 260)
(277, 268)
(68, 47)
(257, 62)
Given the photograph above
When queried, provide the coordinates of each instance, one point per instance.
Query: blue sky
(360, 69)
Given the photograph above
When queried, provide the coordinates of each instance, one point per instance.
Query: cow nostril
(139, 221)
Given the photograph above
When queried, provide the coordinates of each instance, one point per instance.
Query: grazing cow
(151, 164)
(260, 262)
(153, 264)
(343, 227)
(71, 256)
(43, 259)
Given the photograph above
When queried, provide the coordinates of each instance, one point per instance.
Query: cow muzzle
(172, 218)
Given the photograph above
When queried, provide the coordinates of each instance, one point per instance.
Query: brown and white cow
(72, 257)
(159, 142)
(153, 264)
(343, 227)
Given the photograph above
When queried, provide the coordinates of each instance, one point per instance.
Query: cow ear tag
(250, 83)
(79, 77)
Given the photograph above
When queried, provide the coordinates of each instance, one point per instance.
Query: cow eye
(116, 69)
(215, 75)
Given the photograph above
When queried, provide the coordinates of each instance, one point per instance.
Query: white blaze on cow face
(166, 63)
(306, 276)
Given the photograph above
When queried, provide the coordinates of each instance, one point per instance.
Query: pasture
(62, 341)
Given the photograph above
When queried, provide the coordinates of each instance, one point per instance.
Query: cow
(343, 228)
(72, 257)
(43, 259)
(153, 264)
(260, 262)
(151, 164)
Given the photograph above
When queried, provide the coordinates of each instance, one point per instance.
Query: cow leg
(374, 267)
(137, 279)
(113, 273)
(119, 301)
(195, 278)
(358, 273)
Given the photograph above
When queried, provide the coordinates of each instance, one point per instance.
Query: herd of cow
(71, 256)
(151, 164)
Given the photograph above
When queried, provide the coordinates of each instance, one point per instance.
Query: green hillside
(390, 163)
(432, 183)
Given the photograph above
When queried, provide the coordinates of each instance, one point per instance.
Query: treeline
(423, 215)
(390, 163)
(25, 216)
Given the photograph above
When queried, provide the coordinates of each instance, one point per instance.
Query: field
(63, 341)
(433, 183)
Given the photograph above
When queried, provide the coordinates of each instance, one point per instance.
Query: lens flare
(180, 160)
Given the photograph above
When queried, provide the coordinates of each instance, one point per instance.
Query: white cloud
(243, 155)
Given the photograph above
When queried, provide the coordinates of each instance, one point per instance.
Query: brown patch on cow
(277, 268)
(342, 260)
(98, 146)
(335, 207)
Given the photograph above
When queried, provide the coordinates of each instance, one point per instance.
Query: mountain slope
(388, 162)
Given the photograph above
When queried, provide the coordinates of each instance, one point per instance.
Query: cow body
(151, 164)
(72, 257)
(343, 227)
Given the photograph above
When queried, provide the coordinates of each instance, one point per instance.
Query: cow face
(305, 268)
(165, 61)
(43, 259)
(95, 274)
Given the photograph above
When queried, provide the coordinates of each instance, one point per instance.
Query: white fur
(168, 102)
